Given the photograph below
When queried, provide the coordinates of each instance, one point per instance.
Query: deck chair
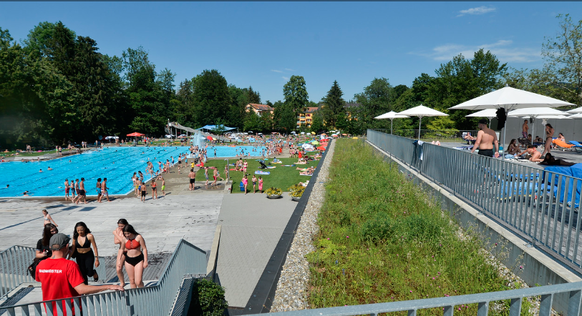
(577, 146)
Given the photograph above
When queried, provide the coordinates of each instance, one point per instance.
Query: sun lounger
(577, 146)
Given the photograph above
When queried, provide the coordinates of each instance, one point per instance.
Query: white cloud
(285, 78)
(477, 11)
(502, 49)
(289, 69)
(275, 70)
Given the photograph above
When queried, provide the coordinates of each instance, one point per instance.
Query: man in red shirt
(61, 278)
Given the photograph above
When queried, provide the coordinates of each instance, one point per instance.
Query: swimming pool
(117, 164)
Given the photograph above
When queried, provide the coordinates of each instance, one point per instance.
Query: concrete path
(251, 228)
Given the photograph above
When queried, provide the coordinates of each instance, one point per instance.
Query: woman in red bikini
(136, 257)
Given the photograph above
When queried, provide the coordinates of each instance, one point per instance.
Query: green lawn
(280, 177)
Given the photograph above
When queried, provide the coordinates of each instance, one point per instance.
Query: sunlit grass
(380, 240)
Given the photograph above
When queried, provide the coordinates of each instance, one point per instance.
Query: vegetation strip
(380, 240)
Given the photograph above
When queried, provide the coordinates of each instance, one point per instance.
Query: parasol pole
(419, 121)
(391, 122)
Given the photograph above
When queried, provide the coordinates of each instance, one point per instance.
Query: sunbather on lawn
(535, 156)
(310, 169)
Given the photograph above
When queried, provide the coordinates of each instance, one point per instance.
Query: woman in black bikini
(82, 252)
(136, 258)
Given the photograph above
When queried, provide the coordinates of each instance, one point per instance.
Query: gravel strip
(291, 288)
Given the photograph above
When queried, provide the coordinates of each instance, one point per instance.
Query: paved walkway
(251, 228)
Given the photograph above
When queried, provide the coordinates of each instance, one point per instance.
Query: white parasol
(391, 115)
(509, 98)
(422, 111)
(488, 113)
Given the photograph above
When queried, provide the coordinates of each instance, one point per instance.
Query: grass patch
(381, 241)
(280, 177)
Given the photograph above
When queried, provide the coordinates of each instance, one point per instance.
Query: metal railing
(14, 263)
(538, 205)
(573, 292)
(186, 261)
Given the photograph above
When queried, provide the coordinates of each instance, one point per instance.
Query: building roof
(260, 107)
(311, 109)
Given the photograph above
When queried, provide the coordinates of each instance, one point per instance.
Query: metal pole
(419, 121)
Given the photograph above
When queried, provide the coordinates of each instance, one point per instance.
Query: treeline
(55, 88)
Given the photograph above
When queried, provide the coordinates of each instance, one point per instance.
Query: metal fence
(449, 304)
(14, 263)
(187, 261)
(540, 206)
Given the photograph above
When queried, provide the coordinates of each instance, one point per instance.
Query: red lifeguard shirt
(58, 277)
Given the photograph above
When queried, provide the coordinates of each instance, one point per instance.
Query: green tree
(253, 96)
(334, 106)
(375, 100)
(185, 109)
(460, 80)
(295, 93)
(563, 56)
(317, 122)
(144, 94)
(211, 97)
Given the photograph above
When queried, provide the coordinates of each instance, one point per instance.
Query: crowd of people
(63, 265)
(488, 145)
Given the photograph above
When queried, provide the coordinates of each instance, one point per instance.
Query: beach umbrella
(209, 137)
(321, 148)
(537, 113)
(575, 111)
(509, 98)
(422, 111)
(135, 134)
(488, 113)
(391, 116)
(315, 142)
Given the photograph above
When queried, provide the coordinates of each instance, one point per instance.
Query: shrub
(208, 299)
(296, 190)
(274, 191)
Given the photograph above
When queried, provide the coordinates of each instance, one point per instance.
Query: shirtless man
(535, 155)
(82, 192)
(215, 175)
(192, 176)
(524, 129)
(486, 138)
(104, 189)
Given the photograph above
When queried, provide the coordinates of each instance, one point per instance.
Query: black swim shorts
(486, 152)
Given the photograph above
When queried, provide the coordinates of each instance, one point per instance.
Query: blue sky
(262, 44)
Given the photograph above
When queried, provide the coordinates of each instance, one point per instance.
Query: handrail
(155, 300)
(538, 205)
(14, 263)
(448, 304)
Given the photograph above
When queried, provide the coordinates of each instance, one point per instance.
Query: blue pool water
(117, 164)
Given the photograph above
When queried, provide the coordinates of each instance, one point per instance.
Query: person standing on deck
(486, 138)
